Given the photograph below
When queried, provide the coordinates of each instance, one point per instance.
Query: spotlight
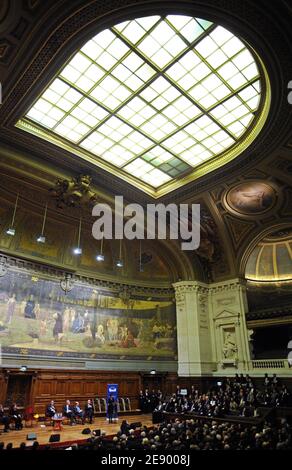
(153, 372)
(11, 231)
(120, 263)
(23, 368)
(41, 239)
(78, 250)
(100, 257)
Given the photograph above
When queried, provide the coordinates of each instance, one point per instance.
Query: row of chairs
(123, 405)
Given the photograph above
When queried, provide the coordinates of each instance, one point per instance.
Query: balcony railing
(282, 364)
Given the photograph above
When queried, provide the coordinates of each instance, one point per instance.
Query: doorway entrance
(18, 389)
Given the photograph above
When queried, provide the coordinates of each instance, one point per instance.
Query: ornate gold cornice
(102, 283)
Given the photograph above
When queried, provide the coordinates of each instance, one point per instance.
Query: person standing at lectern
(110, 408)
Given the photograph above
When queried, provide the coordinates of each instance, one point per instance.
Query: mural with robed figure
(38, 318)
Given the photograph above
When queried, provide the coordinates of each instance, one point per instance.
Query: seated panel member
(4, 419)
(78, 412)
(88, 411)
(51, 409)
(68, 412)
(16, 416)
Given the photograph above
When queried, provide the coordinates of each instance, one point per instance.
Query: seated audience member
(125, 427)
(78, 412)
(16, 416)
(88, 411)
(51, 409)
(35, 445)
(4, 419)
(68, 412)
(266, 380)
(159, 407)
(275, 380)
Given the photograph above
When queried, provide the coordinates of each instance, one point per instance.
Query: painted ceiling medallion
(251, 198)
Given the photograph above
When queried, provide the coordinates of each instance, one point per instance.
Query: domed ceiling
(271, 259)
(158, 101)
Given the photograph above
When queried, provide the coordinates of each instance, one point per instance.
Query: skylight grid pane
(105, 38)
(236, 128)
(148, 22)
(217, 58)
(162, 33)
(221, 35)
(192, 31)
(244, 57)
(190, 61)
(237, 81)
(232, 47)
(92, 50)
(115, 158)
(121, 26)
(149, 46)
(206, 46)
(191, 158)
(248, 93)
(138, 167)
(180, 142)
(179, 21)
(175, 46)
(72, 128)
(158, 156)
(156, 178)
(80, 62)
(117, 49)
(132, 32)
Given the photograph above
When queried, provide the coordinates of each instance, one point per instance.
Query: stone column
(193, 330)
(211, 328)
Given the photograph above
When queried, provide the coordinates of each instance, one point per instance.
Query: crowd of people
(238, 396)
(186, 435)
(232, 396)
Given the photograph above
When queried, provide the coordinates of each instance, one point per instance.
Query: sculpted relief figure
(74, 192)
(229, 346)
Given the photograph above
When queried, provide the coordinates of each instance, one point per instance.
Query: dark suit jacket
(70, 410)
(50, 411)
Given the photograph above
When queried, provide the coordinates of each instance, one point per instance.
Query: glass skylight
(155, 97)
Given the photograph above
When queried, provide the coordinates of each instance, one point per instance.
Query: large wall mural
(37, 318)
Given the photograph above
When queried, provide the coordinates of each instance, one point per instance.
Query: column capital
(186, 287)
(237, 284)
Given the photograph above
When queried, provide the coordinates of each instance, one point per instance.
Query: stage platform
(70, 434)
